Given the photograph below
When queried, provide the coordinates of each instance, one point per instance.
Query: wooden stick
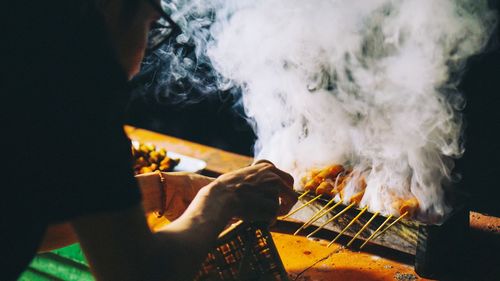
(330, 220)
(303, 194)
(301, 207)
(316, 216)
(390, 225)
(363, 228)
(322, 212)
(325, 212)
(375, 232)
(348, 225)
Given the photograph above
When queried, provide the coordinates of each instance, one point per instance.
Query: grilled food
(148, 158)
(333, 180)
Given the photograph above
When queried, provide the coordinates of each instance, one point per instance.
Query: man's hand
(119, 245)
(257, 193)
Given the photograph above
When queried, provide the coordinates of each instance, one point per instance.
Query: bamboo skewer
(303, 194)
(390, 225)
(324, 213)
(322, 183)
(348, 225)
(318, 215)
(301, 207)
(322, 209)
(331, 219)
(375, 232)
(363, 228)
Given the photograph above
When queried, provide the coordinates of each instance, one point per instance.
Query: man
(64, 83)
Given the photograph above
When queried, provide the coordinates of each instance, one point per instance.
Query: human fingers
(260, 161)
(288, 197)
(258, 208)
(272, 186)
(284, 175)
(246, 174)
(282, 180)
(253, 175)
(286, 204)
(281, 186)
(266, 188)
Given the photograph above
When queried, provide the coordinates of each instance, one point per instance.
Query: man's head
(128, 23)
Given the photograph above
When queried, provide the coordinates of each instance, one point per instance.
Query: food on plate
(148, 158)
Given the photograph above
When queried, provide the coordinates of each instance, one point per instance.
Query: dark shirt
(64, 150)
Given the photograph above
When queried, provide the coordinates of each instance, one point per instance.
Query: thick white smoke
(370, 83)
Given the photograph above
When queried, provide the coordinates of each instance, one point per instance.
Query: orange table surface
(306, 259)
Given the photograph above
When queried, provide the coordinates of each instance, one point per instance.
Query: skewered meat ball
(333, 179)
(330, 172)
(409, 205)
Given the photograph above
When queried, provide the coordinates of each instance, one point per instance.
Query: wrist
(163, 195)
(154, 192)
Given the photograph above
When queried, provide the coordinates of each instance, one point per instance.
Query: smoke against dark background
(192, 80)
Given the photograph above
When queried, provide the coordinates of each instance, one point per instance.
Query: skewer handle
(330, 220)
(390, 225)
(317, 216)
(303, 194)
(363, 228)
(375, 232)
(348, 225)
(301, 207)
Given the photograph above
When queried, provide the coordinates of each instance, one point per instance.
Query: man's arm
(184, 185)
(120, 246)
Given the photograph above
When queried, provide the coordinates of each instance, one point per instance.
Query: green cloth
(66, 264)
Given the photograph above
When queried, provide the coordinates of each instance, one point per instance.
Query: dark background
(480, 165)
(215, 120)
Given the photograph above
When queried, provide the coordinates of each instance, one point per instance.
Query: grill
(244, 252)
(432, 246)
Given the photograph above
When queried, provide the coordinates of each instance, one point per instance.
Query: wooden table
(312, 260)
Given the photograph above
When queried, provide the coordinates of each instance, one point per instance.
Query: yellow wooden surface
(335, 262)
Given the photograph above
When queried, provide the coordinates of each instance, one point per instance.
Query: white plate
(187, 164)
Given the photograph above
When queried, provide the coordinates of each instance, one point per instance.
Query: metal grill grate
(245, 252)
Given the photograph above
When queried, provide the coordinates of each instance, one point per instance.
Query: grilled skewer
(330, 220)
(330, 172)
(390, 225)
(318, 215)
(302, 207)
(303, 194)
(375, 232)
(349, 225)
(336, 180)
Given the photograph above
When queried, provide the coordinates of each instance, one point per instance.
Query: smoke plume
(368, 83)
